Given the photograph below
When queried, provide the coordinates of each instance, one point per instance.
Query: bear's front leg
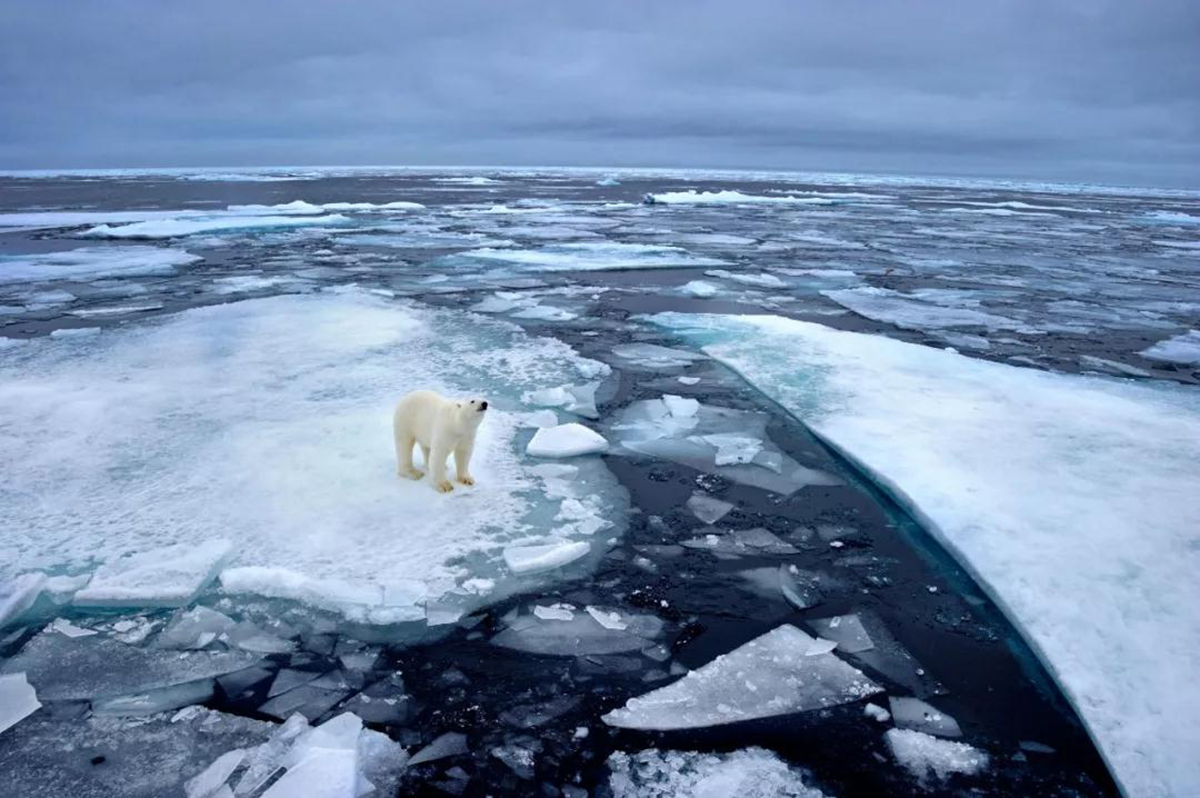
(438, 468)
(462, 463)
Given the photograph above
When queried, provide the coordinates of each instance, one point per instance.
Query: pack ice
(749, 773)
(1072, 499)
(251, 441)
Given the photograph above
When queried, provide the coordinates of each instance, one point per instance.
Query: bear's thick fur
(439, 426)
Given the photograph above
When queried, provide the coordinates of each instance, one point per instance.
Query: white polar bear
(440, 426)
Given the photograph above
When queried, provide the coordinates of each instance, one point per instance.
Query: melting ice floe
(1184, 349)
(774, 674)
(749, 773)
(1072, 499)
(91, 263)
(18, 700)
(590, 257)
(267, 422)
(924, 756)
(893, 307)
(693, 197)
(174, 228)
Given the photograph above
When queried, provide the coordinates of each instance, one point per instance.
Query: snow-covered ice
(771, 675)
(923, 755)
(1072, 499)
(748, 773)
(565, 440)
(588, 256)
(654, 357)
(267, 422)
(693, 197)
(700, 288)
(164, 577)
(532, 559)
(1183, 349)
(92, 263)
(893, 307)
(582, 635)
(175, 228)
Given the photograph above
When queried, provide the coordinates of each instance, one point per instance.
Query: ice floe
(700, 288)
(91, 263)
(591, 257)
(1072, 499)
(266, 422)
(925, 756)
(748, 773)
(18, 700)
(175, 228)
(774, 674)
(693, 197)
(912, 713)
(565, 440)
(761, 279)
(581, 635)
(1183, 349)
(167, 577)
(531, 559)
(893, 307)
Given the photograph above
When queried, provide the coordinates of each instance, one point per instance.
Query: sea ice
(877, 713)
(1183, 349)
(912, 713)
(532, 559)
(654, 357)
(771, 675)
(565, 440)
(846, 630)
(921, 754)
(700, 288)
(693, 197)
(175, 228)
(708, 509)
(18, 594)
(588, 256)
(753, 542)
(893, 307)
(196, 628)
(582, 635)
(748, 773)
(578, 399)
(761, 279)
(91, 263)
(266, 421)
(448, 744)
(170, 576)
(1071, 498)
(18, 700)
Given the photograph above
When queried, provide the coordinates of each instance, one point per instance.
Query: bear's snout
(483, 405)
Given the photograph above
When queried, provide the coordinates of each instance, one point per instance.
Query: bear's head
(470, 411)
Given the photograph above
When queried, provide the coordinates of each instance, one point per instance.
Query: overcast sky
(1101, 91)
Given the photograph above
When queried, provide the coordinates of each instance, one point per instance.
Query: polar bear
(439, 426)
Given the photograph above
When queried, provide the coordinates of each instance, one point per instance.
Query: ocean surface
(896, 492)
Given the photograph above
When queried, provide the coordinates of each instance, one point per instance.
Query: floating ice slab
(1183, 349)
(892, 307)
(582, 635)
(912, 713)
(448, 744)
(771, 675)
(742, 542)
(719, 440)
(708, 509)
(565, 440)
(531, 559)
(1071, 498)
(17, 594)
(700, 288)
(196, 628)
(588, 256)
(92, 263)
(846, 630)
(167, 577)
(578, 399)
(98, 666)
(267, 422)
(761, 279)
(18, 700)
(749, 773)
(654, 357)
(693, 197)
(924, 756)
(176, 228)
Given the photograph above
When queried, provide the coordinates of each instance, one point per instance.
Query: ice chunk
(608, 181)
(166, 577)
(679, 407)
(591, 256)
(1106, 366)
(175, 228)
(798, 587)
(877, 713)
(699, 288)
(922, 755)
(531, 559)
(158, 700)
(742, 542)
(18, 594)
(448, 744)
(893, 307)
(18, 700)
(289, 679)
(1016, 508)
(196, 628)
(249, 637)
(771, 675)
(689, 380)
(97, 666)
(912, 713)
(519, 758)
(580, 636)
(729, 197)
(607, 619)
(555, 612)
(847, 630)
(761, 280)
(90, 263)
(578, 399)
(65, 627)
(544, 313)
(311, 702)
(654, 357)
(1183, 349)
(748, 773)
(708, 509)
(213, 778)
(529, 716)
(732, 449)
(565, 440)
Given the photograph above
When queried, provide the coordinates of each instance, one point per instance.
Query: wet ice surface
(206, 512)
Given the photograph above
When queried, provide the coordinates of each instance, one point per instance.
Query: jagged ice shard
(1072, 499)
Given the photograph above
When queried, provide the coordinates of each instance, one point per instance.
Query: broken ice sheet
(533, 559)
(97, 666)
(731, 443)
(170, 576)
(582, 635)
(448, 744)
(578, 399)
(565, 440)
(196, 628)
(18, 594)
(708, 509)
(654, 357)
(768, 676)
(18, 700)
(846, 630)
(912, 713)
(741, 542)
